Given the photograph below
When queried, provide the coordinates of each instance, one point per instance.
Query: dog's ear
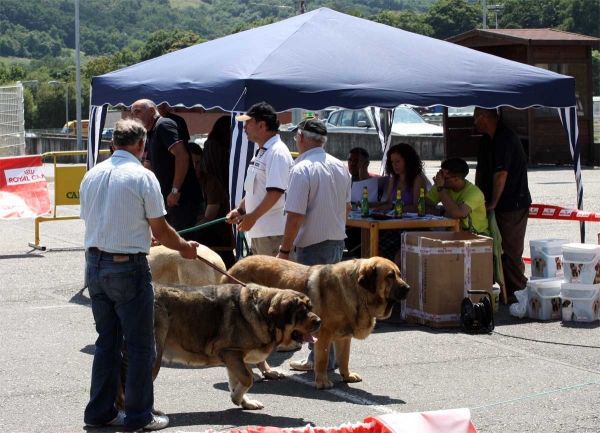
(282, 312)
(367, 278)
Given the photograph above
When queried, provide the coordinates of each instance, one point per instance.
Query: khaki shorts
(269, 246)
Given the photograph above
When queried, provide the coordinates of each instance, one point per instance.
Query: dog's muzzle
(399, 292)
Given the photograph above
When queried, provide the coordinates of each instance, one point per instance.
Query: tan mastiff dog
(348, 297)
(168, 266)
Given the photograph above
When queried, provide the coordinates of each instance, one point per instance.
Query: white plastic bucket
(544, 302)
(581, 263)
(580, 302)
(546, 258)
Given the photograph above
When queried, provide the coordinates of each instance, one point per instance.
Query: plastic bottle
(421, 202)
(398, 204)
(364, 204)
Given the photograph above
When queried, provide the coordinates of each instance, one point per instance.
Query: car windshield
(406, 115)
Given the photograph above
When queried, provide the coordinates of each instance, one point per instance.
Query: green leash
(245, 250)
(201, 226)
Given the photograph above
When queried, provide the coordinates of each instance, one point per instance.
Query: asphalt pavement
(527, 376)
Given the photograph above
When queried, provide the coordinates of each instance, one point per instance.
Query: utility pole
(484, 14)
(78, 77)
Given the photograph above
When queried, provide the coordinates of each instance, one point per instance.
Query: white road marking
(341, 394)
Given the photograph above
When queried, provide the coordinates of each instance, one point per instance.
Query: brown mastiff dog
(348, 296)
(230, 325)
(168, 266)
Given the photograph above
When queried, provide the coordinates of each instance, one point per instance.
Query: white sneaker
(158, 422)
(302, 365)
(296, 345)
(118, 420)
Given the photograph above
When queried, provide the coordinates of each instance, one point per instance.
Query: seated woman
(215, 205)
(407, 173)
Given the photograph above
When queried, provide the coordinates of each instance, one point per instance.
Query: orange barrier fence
(550, 212)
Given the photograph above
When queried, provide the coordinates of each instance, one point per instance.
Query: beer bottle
(364, 204)
(398, 204)
(421, 202)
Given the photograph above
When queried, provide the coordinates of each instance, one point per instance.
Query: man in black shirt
(170, 161)
(182, 129)
(502, 176)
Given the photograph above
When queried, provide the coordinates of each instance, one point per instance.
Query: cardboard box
(440, 267)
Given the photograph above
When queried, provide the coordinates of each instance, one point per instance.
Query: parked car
(107, 133)
(406, 122)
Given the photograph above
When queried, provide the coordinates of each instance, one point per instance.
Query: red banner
(23, 189)
(561, 213)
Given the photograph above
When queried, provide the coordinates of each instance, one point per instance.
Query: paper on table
(357, 189)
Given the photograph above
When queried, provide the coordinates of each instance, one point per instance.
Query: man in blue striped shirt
(122, 206)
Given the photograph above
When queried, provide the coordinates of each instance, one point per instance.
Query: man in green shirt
(460, 198)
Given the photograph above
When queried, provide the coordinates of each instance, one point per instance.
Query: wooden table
(370, 229)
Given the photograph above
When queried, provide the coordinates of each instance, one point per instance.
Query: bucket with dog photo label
(544, 299)
(546, 258)
(580, 302)
(581, 263)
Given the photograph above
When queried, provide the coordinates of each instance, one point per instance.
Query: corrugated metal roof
(540, 34)
(527, 36)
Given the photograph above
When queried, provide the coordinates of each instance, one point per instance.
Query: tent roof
(324, 58)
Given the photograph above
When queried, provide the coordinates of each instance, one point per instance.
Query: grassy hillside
(180, 4)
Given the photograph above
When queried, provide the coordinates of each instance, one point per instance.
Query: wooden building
(540, 129)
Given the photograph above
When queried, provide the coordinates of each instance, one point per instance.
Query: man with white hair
(317, 206)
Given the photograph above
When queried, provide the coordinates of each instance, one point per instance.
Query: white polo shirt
(269, 169)
(319, 189)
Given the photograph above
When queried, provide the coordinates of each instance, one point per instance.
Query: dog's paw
(257, 377)
(273, 375)
(351, 378)
(323, 383)
(252, 404)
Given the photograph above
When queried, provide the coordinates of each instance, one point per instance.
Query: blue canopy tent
(324, 58)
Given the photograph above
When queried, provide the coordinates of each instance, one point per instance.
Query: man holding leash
(260, 213)
(317, 206)
(122, 206)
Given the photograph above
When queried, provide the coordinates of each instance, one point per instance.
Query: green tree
(29, 107)
(530, 14)
(98, 66)
(405, 20)
(581, 16)
(452, 17)
(164, 41)
(17, 73)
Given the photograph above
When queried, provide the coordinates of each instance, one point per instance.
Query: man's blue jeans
(123, 306)
(323, 253)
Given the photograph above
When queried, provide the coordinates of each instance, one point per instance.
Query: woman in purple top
(407, 173)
